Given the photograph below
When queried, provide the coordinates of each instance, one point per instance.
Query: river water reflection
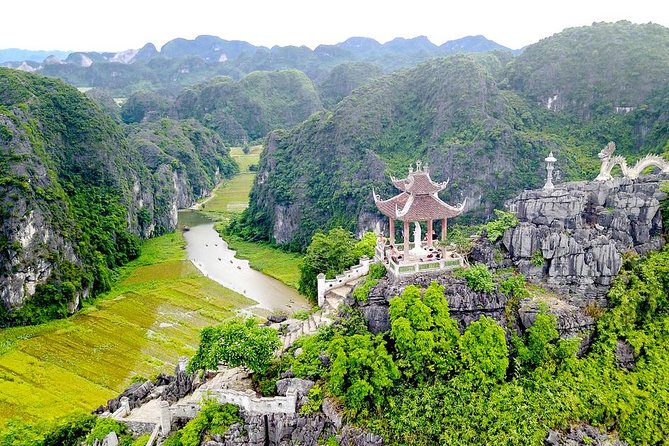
(211, 255)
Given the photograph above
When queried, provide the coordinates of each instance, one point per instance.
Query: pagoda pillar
(406, 239)
(391, 229)
(444, 229)
(429, 233)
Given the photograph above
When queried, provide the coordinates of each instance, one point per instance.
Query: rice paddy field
(151, 318)
(229, 200)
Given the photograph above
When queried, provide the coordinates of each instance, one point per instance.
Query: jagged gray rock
(465, 304)
(301, 385)
(137, 395)
(625, 358)
(572, 238)
(354, 436)
(582, 435)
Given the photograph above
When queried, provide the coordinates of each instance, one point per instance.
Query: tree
(541, 346)
(484, 352)
(362, 371)
(425, 335)
(329, 254)
(235, 343)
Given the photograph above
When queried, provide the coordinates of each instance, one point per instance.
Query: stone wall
(356, 271)
(572, 238)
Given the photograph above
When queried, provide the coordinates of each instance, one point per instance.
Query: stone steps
(324, 316)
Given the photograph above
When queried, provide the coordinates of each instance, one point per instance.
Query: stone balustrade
(325, 285)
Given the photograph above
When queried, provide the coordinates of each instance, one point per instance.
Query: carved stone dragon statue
(609, 162)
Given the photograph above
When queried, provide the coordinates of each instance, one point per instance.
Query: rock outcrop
(465, 304)
(573, 238)
(582, 435)
(291, 429)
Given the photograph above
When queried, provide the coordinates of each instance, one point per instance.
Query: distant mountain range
(212, 48)
(183, 62)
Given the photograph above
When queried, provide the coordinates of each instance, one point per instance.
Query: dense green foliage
(452, 384)
(425, 336)
(72, 430)
(331, 254)
(84, 191)
(247, 110)
(235, 343)
(75, 174)
(212, 419)
(478, 277)
(496, 228)
(362, 371)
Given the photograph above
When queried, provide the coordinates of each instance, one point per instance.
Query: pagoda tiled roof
(418, 200)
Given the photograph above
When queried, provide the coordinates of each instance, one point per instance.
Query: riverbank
(230, 199)
(152, 316)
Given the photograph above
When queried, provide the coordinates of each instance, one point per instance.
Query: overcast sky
(122, 24)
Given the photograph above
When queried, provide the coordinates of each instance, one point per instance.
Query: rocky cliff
(573, 238)
(76, 192)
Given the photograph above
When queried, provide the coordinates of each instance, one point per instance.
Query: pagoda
(417, 202)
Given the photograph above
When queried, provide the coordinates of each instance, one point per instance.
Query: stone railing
(325, 285)
(397, 269)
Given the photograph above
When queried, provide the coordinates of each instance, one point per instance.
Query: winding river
(211, 255)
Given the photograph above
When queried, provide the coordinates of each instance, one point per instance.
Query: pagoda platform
(437, 259)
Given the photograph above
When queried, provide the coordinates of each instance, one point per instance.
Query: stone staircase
(324, 316)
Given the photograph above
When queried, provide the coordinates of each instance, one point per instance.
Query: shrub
(362, 371)
(214, 418)
(71, 430)
(329, 254)
(496, 228)
(484, 352)
(235, 343)
(425, 336)
(103, 426)
(315, 402)
(514, 286)
(478, 277)
(537, 258)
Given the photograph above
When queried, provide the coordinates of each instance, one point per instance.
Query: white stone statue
(609, 162)
(418, 249)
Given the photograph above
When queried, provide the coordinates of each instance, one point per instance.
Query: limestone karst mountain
(481, 120)
(77, 193)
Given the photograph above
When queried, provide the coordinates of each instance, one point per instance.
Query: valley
(150, 318)
(361, 244)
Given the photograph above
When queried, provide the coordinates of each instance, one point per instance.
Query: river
(211, 255)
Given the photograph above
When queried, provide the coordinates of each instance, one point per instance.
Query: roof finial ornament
(410, 169)
(426, 168)
(419, 165)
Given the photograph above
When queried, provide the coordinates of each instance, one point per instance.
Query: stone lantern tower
(550, 160)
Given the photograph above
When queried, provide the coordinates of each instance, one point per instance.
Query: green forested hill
(592, 70)
(473, 119)
(246, 110)
(76, 194)
(345, 78)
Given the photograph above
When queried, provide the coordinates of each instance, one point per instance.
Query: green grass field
(153, 316)
(232, 196)
(283, 266)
